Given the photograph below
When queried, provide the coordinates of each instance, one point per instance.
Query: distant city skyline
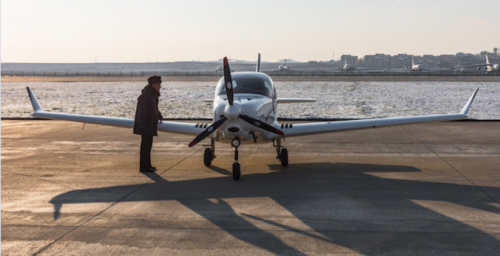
(57, 31)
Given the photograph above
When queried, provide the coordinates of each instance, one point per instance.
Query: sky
(70, 31)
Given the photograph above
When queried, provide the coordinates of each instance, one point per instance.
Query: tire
(236, 171)
(207, 157)
(284, 157)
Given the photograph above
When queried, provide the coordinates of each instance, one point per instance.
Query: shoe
(147, 170)
(152, 167)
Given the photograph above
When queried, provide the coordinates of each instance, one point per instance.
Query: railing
(219, 73)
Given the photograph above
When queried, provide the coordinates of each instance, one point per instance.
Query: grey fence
(219, 73)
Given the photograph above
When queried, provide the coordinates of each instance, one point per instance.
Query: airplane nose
(232, 111)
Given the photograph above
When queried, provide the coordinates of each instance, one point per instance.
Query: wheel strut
(236, 165)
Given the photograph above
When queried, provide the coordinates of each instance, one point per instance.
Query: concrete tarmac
(424, 189)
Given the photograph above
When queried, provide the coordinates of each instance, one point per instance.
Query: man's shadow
(340, 201)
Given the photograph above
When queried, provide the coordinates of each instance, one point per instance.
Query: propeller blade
(207, 131)
(261, 125)
(229, 82)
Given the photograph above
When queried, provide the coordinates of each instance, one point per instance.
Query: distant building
(351, 59)
(383, 61)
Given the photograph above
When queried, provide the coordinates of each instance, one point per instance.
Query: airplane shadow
(339, 202)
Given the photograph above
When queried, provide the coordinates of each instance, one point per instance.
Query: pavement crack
(453, 167)
(113, 204)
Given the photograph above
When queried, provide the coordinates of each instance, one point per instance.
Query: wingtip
(34, 102)
(469, 102)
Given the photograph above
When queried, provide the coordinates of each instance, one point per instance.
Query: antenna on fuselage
(258, 63)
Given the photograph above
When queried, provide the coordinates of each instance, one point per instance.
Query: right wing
(337, 126)
(165, 126)
(294, 100)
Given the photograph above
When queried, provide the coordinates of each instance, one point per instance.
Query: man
(146, 120)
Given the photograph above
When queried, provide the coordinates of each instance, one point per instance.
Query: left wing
(337, 126)
(165, 126)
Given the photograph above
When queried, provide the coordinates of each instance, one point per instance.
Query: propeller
(261, 125)
(232, 112)
(207, 131)
(228, 80)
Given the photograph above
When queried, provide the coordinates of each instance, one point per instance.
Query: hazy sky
(159, 30)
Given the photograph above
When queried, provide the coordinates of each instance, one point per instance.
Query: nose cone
(232, 111)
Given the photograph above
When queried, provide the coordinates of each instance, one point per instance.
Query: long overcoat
(147, 113)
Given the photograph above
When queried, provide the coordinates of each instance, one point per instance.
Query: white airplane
(416, 68)
(494, 68)
(245, 112)
(283, 67)
(346, 67)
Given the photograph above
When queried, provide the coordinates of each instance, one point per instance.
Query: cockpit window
(247, 83)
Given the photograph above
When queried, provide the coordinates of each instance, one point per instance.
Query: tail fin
(34, 101)
(487, 60)
(258, 64)
(412, 62)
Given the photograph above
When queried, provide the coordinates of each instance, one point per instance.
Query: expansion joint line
(113, 204)
(448, 163)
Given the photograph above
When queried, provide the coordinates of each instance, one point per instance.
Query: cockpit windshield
(247, 83)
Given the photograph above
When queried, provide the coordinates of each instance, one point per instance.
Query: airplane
(416, 68)
(493, 68)
(283, 67)
(245, 112)
(346, 67)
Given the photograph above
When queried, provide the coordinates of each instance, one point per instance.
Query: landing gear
(282, 153)
(209, 154)
(207, 157)
(236, 170)
(236, 165)
(284, 157)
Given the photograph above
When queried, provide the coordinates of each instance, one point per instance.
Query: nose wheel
(236, 165)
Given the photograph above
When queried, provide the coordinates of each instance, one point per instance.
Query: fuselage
(346, 67)
(282, 67)
(254, 96)
(493, 68)
(417, 67)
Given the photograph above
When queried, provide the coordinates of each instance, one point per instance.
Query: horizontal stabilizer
(295, 100)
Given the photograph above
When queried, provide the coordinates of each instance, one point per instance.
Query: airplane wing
(476, 65)
(294, 100)
(165, 126)
(337, 126)
(280, 100)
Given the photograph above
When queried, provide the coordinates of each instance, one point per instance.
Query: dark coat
(147, 113)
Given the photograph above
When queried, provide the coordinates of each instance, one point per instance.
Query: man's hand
(161, 120)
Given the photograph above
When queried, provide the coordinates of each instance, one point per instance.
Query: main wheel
(284, 157)
(207, 157)
(236, 171)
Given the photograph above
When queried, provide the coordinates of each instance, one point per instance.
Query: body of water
(334, 99)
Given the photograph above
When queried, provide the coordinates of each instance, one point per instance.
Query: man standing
(146, 120)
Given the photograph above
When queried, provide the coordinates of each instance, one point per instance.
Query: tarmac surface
(424, 189)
